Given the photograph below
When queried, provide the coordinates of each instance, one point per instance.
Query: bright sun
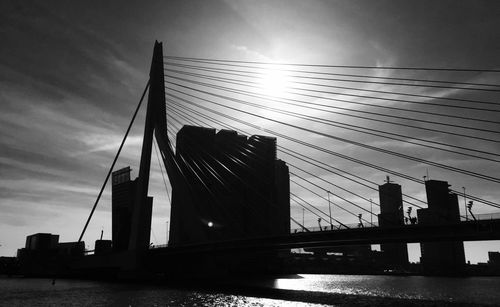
(274, 82)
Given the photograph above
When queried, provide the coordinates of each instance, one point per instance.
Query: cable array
(403, 119)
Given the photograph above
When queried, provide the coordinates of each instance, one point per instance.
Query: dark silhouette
(231, 214)
(441, 257)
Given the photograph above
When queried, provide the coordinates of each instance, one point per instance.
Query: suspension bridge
(339, 129)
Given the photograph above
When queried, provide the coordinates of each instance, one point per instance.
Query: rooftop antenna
(388, 179)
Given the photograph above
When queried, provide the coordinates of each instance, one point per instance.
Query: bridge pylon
(155, 119)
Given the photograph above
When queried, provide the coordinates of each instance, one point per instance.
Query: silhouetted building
(102, 247)
(441, 257)
(391, 214)
(494, 258)
(122, 199)
(45, 255)
(71, 248)
(234, 187)
(42, 242)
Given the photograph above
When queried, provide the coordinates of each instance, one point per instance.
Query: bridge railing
(482, 217)
(479, 217)
(153, 246)
(333, 227)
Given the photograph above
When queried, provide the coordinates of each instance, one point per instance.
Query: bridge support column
(155, 115)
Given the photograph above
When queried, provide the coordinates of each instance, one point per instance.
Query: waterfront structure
(235, 187)
(122, 199)
(391, 214)
(44, 255)
(441, 257)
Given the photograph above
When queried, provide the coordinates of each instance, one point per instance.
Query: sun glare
(274, 82)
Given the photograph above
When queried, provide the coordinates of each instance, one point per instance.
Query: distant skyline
(71, 74)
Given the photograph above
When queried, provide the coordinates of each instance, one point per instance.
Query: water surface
(41, 292)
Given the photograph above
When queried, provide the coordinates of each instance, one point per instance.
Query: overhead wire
(114, 160)
(323, 73)
(353, 128)
(454, 69)
(161, 171)
(386, 151)
(285, 91)
(358, 89)
(191, 120)
(294, 153)
(284, 100)
(344, 114)
(307, 144)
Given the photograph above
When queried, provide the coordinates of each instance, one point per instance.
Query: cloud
(248, 53)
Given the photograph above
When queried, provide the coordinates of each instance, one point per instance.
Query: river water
(373, 289)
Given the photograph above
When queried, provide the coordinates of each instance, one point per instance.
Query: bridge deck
(463, 231)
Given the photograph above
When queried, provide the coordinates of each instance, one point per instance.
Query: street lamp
(371, 211)
(465, 204)
(210, 225)
(167, 233)
(330, 209)
(303, 214)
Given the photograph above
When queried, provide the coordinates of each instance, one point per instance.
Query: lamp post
(167, 234)
(210, 225)
(371, 211)
(330, 209)
(465, 204)
(303, 214)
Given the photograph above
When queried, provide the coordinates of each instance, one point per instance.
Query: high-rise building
(441, 257)
(391, 214)
(234, 187)
(122, 201)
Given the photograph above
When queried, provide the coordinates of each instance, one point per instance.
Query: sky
(71, 75)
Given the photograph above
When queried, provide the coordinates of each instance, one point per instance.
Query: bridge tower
(155, 119)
